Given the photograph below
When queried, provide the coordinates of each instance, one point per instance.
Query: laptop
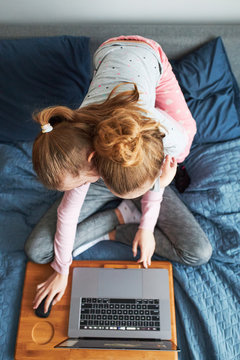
(120, 309)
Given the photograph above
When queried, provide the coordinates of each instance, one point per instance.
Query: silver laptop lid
(108, 283)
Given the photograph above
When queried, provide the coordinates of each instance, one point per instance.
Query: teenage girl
(124, 142)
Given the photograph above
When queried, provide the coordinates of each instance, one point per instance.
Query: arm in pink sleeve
(151, 202)
(169, 97)
(68, 213)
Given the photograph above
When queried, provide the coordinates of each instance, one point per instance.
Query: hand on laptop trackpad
(116, 282)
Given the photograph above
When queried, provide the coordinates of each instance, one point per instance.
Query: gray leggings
(178, 235)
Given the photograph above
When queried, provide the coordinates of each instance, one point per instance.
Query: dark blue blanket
(207, 297)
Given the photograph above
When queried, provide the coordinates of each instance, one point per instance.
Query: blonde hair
(127, 143)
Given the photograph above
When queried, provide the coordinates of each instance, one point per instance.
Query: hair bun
(119, 140)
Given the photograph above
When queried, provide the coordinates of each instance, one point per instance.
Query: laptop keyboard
(120, 314)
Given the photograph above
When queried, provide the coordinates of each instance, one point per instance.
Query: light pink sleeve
(169, 97)
(68, 213)
(151, 202)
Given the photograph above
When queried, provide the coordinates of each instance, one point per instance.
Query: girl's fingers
(45, 283)
(143, 259)
(58, 297)
(48, 301)
(166, 162)
(42, 292)
(134, 248)
(173, 162)
(38, 295)
(149, 261)
(39, 298)
(39, 286)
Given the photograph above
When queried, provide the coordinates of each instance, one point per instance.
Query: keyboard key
(121, 328)
(85, 311)
(87, 306)
(151, 307)
(125, 301)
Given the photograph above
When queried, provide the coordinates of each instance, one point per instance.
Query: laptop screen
(118, 344)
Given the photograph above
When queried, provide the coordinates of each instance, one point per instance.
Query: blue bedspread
(207, 297)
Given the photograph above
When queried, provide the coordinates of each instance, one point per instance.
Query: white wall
(121, 11)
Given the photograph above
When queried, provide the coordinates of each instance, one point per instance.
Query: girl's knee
(203, 254)
(198, 256)
(36, 255)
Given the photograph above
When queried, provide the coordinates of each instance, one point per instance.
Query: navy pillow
(36, 73)
(211, 92)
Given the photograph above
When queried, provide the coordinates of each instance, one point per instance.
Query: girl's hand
(145, 240)
(53, 287)
(169, 169)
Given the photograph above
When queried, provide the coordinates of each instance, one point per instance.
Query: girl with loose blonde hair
(122, 143)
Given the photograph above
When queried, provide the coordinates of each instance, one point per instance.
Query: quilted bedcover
(207, 297)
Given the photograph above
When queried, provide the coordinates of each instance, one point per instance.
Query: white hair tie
(46, 128)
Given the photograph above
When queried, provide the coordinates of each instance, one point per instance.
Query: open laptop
(120, 309)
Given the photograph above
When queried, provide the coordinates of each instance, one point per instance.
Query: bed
(43, 68)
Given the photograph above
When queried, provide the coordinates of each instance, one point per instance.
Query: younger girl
(117, 134)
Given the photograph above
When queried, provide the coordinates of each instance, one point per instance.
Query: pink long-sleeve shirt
(68, 213)
(123, 61)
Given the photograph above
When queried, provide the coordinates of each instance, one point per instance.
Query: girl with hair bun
(124, 142)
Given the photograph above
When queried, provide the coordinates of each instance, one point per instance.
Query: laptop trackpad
(120, 282)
